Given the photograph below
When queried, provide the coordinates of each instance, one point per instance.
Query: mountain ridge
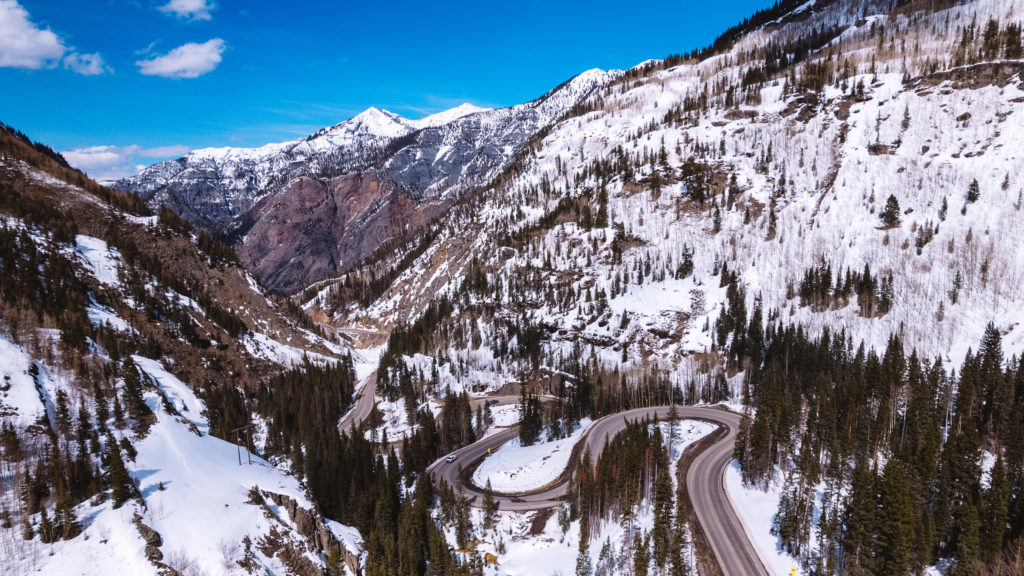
(419, 166)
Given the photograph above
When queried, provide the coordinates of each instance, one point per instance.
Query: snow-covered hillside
(851, 167)
(112, 462)
(198, 508)
(787, 179)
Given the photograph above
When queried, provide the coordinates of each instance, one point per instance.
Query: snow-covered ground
(518, 468)
(196, 494)
(395, 423)
(687, 432)
(504, 416)
(263, 346)
(98, 258)
(99, 314)
(20, 401)
(756, 509)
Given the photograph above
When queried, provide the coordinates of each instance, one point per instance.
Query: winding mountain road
(704, 481)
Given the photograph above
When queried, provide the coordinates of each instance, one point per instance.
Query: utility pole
(248, 442)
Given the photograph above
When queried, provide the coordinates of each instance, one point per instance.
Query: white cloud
(22, 43)
(147, 49)
(190, 9)
(107, 163)
(25, 45)
(87, 64)
(189, 61)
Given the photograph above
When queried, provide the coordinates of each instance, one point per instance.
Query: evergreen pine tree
(490, 506)
(117, 474)
(679, 565)
(335, 563)
(584, 567)
(973, 191)
(102, 409)
(463, 526)
(673, 426)
(661, 539)
(134, 402)
(84, 432)
(119, 421)
(63, 413)
(894, 515)
(47, 534)
(601, 220)
(1011, 37)
(66, 520)
(891, 214)
(860, 518)
(969, 540)
(997, 504)
(641, 561)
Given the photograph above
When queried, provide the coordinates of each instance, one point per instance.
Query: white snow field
(196, 494)
(756, 509)
(518, 468)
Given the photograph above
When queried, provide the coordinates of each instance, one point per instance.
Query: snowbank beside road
(518, 468)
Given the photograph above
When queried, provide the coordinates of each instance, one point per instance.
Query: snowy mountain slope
(758, 178)
(194, 495)
(120, 334)
(606, 252)
(216, 185)
(813, 168)
(370, 178)
(446, 116)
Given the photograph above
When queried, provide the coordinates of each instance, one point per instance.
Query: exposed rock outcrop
(306, 210)
(317, 534)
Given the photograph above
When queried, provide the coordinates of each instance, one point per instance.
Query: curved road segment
(705, 481)
(362, 407)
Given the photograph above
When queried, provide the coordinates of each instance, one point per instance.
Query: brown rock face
(314, 530)
(313, 229)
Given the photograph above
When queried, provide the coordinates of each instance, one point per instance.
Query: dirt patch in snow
(540, 520)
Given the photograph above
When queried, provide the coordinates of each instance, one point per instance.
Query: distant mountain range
(307, 209)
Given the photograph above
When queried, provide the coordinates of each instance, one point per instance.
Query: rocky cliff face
(308, 209)
(316, 531)
(312, 228)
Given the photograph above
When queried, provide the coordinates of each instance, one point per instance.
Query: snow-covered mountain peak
(591, 76)
(232, 154)
(377, 122)
(450, 115)
(444, 155)
(588, 80)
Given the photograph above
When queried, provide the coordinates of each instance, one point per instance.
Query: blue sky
(118, 83)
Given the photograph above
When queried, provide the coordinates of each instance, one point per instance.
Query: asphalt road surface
(363, 406)
(705, 482)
